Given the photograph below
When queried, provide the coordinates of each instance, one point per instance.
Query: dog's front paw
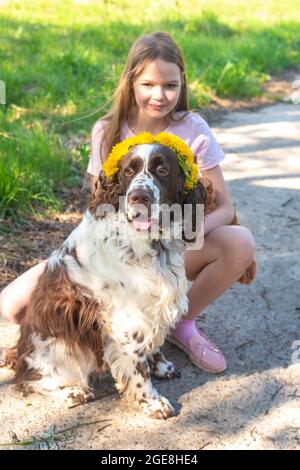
(78, 396)
(8, 358)
(158, 408)
(164, 370)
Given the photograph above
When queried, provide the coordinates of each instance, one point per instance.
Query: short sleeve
(95, 164)
(206, 149)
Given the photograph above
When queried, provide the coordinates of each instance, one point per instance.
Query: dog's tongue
(141, 225)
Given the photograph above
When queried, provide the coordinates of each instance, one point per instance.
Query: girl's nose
(158, 93)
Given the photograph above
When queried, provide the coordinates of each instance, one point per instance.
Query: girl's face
(157, 89)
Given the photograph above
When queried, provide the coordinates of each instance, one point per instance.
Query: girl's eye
(129, 171)
(169, 85)
(162, 171)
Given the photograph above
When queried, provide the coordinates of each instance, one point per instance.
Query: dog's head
(151, 180)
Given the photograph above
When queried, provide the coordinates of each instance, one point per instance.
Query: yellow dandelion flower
(194, 172)
(180, 148)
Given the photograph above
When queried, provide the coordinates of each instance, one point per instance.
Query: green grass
(60, 61)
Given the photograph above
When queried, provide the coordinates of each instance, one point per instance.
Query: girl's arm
(93, 180)
(224, 212)
(95, 165)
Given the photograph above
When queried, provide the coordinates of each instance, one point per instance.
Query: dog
(110, 294)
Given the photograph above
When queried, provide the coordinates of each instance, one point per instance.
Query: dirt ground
(255, 403)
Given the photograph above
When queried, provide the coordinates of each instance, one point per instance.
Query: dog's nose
(139, 196)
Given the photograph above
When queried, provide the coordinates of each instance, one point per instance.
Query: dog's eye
(129, 171)
(162, 171)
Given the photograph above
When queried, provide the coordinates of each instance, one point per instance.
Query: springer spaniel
(111, 292)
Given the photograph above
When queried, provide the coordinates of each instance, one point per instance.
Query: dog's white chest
(139, 287)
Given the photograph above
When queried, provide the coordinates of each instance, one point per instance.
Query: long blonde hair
(143, 51)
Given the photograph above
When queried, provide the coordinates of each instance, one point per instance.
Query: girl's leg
(15, 297)
(226, 253)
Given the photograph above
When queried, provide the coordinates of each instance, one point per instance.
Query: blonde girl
(152, 96)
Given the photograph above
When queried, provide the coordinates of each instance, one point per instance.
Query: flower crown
(184, 153)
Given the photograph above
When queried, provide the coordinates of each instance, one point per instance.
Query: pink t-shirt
(193, 129)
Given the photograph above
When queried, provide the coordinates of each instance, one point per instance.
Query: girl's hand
(224, 213)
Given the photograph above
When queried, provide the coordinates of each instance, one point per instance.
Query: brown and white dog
(111, 292)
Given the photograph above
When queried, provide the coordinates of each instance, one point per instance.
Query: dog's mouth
(141, 223)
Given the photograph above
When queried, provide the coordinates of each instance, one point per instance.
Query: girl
(152, 96)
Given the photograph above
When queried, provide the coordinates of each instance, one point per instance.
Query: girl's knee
(15, 297)
(244, 247)
(247, 243)
(7, 307)
(239, 246)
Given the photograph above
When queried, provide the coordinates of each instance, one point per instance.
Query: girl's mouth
(156, 107)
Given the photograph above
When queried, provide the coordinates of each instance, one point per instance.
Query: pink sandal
(202, 352)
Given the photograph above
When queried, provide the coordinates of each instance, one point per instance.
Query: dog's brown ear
(211, 195)
(194, 197)
(106, 191)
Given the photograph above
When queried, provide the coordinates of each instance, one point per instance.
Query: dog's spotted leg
(130, 369)
(161, 368)
(145, 393)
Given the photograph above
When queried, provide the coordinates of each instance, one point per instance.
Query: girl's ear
(106, 191)
(191, 199)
